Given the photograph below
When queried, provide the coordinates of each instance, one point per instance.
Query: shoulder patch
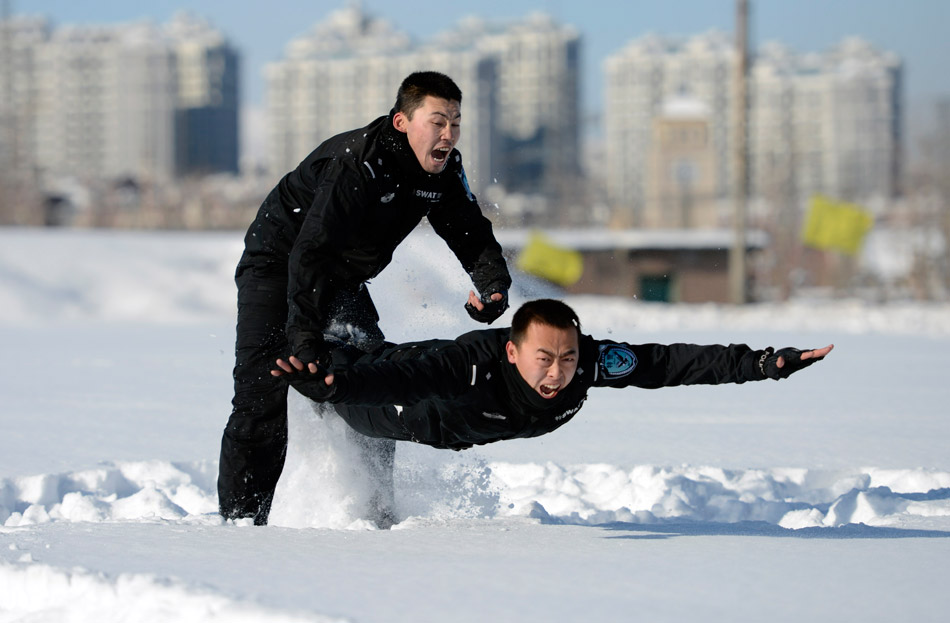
(616, 361)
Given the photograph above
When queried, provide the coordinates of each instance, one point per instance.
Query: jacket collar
(524, 398)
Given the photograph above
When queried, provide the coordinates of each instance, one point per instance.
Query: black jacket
(463, 392)
(334, 221)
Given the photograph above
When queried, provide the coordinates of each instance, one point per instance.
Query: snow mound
(790, 498)
(138, 491)
(71, 276)
(329, 496)
(35, 592)
(159, 277)
(328, 482)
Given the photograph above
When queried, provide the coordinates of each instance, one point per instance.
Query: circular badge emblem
(616, 361)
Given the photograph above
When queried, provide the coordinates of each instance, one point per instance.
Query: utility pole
(8, 164)
(6, 54)
(737, 254)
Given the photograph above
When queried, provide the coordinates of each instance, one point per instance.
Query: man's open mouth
(439, 155)
(549, 391)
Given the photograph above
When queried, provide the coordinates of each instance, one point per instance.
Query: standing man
(327, 228)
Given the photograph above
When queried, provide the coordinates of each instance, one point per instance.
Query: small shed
(668, 265)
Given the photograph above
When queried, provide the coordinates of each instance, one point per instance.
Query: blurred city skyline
(915, 31)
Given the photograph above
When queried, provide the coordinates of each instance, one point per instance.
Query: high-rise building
(826, 123)
(818, 123)
(207, 106)
(19, 38)
(537, 98)
(339, 76)
(642, 80)
(345, 72)
(110, 102)
(105, 105)
(519, 83)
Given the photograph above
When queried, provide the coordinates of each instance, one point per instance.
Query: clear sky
(917, 30)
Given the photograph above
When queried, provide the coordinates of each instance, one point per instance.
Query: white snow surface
(824, 496)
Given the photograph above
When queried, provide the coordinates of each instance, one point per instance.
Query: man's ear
(512, 351)
(401, 122)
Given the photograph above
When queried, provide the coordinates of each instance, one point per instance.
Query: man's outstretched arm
(667, 365)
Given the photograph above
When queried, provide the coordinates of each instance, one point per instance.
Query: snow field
(825, 496)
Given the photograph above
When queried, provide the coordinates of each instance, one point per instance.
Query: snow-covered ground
(826, 496)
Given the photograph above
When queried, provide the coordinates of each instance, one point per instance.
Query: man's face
(433, 131)
(546, 359)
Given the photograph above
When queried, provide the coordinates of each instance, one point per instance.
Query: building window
(655, 288)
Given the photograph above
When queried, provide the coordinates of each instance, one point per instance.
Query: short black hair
(414, 89)
(551, 312)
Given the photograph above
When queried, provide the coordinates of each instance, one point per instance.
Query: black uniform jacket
(463, 392)
(335, 220)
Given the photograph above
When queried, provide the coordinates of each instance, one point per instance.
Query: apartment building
(111, 102)
(207, 106)
(19, 38)
(818, 123)
(519, 82)
(105, 103)
(826, 123)
(644, 81)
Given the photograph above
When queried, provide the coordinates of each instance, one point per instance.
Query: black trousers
(254, 443)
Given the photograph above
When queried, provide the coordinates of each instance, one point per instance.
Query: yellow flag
(836, 225)
(542, 258)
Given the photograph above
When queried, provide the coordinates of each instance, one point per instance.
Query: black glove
(313, 386)
(309, 348)
(492, 310)
(768, 362)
